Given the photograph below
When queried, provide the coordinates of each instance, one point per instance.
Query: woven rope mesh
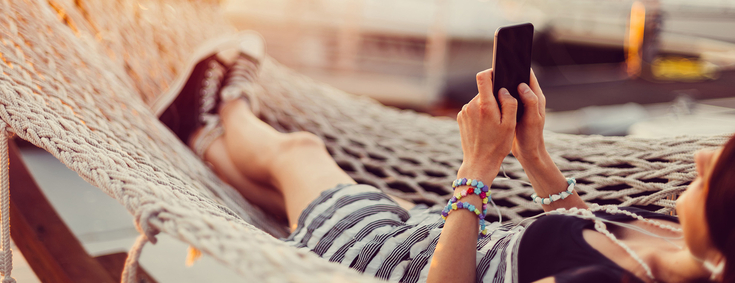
(416, 156)
(78, 76)
(62, 92)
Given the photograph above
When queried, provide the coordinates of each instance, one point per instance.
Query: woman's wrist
(480, 171)
(540, 165)
(547, 176)
(474, 196)
(473, 199)
(534, 159)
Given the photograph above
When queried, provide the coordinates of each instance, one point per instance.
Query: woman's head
(707, 208)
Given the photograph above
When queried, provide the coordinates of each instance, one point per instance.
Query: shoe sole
(249, 43)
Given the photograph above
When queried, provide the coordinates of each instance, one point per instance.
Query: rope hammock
(78, 77)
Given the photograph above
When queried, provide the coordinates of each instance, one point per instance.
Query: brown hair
(720, 207)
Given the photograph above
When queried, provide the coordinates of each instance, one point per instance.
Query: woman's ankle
(202, 138)
(231, 107)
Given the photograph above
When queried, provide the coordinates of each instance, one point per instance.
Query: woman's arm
(530, 150)
(548, 180)
(454, 256)
(487, 137)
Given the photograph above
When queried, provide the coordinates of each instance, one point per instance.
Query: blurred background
(614, 67)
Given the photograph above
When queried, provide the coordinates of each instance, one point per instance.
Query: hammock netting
(78, 78)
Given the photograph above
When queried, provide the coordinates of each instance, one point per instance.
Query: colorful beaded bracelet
(485, 199)
(556, 197)
(465, 205)
(476, 187)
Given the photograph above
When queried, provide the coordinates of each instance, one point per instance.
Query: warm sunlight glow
(192, 256)
(634, 40)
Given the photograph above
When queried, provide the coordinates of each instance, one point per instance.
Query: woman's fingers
(529, 98)
(536, 88)
(509, 106)
(534, 82)
(485, 87)
(461, 113)
(485, 132)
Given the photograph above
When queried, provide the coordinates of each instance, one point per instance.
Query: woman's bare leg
(281, 173)
(296, 164)
(262, 195)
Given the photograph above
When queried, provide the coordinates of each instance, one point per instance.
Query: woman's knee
(302, 141)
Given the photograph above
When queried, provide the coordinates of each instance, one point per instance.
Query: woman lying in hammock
(293, 175)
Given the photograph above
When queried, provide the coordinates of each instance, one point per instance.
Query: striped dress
(361, 227)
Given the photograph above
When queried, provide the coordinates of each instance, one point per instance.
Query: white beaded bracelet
(555, 197)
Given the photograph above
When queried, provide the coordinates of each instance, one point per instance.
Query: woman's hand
(528, 144)
(530, 150)
(486, 133)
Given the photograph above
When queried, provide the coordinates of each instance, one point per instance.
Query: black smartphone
(512, 60)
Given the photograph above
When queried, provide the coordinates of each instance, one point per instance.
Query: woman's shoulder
(563, 222)
(627, 212)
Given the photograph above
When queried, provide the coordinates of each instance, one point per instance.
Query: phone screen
(512, 60)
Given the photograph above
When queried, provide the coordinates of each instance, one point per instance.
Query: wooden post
(51, 249)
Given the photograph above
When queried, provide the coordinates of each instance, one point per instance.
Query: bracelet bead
(462, 205)
(571, 182)
(476, 187)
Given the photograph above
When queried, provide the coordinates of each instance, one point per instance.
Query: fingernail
(524, 88)
(504, 91)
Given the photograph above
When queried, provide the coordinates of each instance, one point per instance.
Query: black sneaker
(193, 99)
(240, 82)
(196, 104)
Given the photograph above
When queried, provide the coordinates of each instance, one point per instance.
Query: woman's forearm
(547, 180)
(454, 256)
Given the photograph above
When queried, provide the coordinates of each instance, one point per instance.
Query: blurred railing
(394, 51)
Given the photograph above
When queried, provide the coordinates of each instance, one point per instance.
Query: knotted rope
(130, 271)
(148, 210)
(6, 261)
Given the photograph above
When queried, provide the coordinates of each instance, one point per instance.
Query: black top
(554, 246)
